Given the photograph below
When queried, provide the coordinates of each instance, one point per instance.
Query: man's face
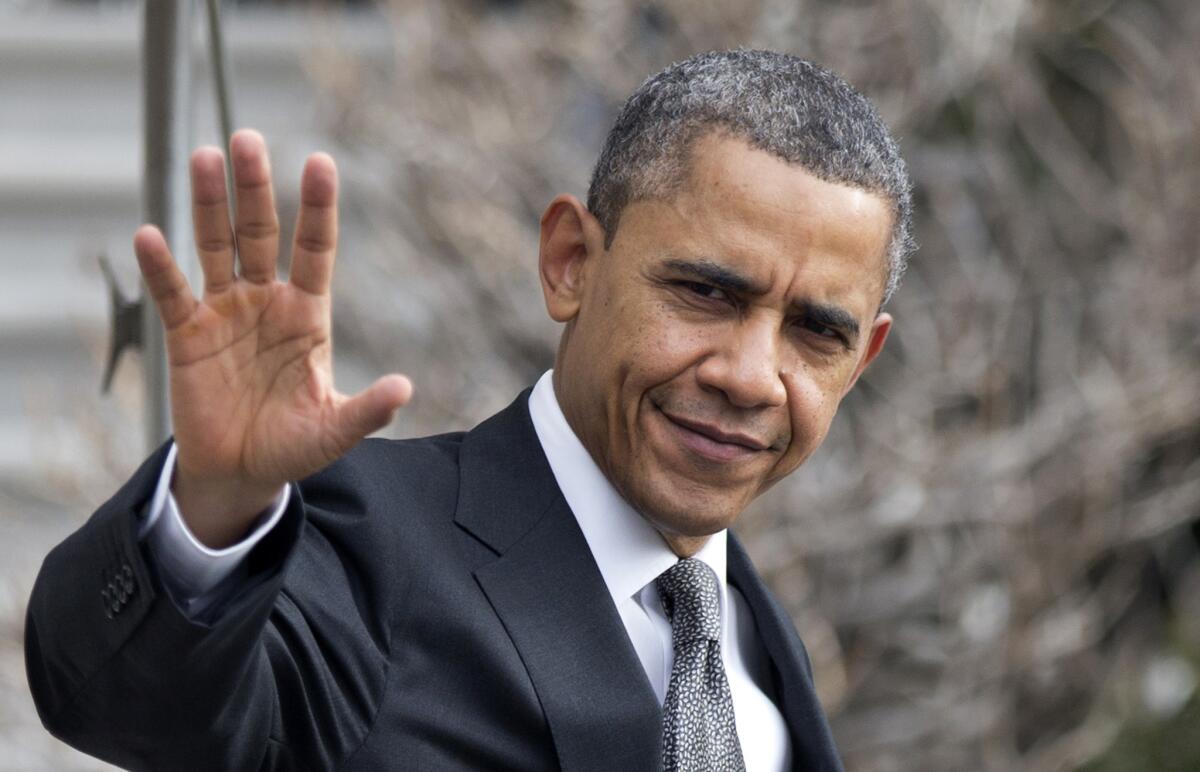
(716, 336)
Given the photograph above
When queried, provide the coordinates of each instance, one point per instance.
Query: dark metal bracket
(125, 315)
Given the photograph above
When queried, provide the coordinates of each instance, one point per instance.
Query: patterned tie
(698, 727)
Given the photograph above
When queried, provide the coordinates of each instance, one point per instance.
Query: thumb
(372, 408)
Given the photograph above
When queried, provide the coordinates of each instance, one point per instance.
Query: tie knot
(689, 595)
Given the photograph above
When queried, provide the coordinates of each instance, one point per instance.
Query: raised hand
(250, 362)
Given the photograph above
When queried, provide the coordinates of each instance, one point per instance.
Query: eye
(823, 330)
(706, 291)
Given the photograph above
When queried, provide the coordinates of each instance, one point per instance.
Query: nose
(746, 366)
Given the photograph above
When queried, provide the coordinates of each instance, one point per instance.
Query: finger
(316, 226)
(255, 222)
(371, 409)
(210, 218)
(164, 280)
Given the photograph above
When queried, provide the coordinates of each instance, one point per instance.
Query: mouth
(711, 442)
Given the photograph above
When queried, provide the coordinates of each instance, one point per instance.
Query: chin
(673, 513)
(691, 527)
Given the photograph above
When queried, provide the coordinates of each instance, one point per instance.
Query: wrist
(219, 512)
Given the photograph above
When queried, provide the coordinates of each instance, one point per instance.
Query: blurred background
(995, 557)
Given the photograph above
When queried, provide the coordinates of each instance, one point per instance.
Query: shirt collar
(628, 550)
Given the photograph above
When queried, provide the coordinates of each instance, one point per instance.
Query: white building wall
(70, 174)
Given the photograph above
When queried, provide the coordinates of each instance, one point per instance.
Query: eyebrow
(832, 317)
(725, 278)
(717, 275)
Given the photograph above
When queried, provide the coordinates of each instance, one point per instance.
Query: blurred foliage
(997, 547)
(1172, 745)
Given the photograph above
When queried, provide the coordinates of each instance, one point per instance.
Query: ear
(571, 241)
(879, 332)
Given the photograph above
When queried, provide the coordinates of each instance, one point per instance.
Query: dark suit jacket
(424, 604)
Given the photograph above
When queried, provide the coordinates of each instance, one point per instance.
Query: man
(555, 588)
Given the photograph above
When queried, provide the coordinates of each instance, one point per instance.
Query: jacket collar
(552, 600)
(812, 741)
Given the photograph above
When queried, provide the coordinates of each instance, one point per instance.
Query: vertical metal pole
(221, 80)
(166, 113)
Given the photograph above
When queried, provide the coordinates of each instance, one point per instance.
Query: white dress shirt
(626, 548)
(631, 555)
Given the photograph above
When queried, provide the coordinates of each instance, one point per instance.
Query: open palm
(250, 362)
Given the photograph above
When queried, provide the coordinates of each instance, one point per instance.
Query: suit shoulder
(381, 480)
(433, 454)
(377, 461)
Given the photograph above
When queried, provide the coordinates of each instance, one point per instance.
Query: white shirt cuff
(190, 569)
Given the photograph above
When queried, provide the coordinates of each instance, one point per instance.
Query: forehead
(741, 205)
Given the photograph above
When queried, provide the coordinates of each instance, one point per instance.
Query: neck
(684, 546)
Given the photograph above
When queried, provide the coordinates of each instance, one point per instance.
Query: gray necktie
(698, 727)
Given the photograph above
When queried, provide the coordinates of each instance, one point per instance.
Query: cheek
(811, 407)
(656, 347)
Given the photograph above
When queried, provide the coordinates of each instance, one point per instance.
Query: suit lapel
(549, 595)
(812, 742)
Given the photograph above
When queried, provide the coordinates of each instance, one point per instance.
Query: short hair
(788, 106)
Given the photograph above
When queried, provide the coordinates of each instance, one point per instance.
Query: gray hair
(785, 105)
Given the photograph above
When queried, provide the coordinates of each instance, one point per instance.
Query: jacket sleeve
(193, 574)
(118, 671)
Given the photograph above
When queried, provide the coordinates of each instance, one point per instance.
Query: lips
(712, 442)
